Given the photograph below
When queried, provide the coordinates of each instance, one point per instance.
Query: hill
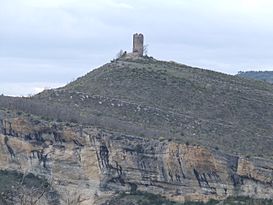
(167, 100)
(266, 76)
(138, 125)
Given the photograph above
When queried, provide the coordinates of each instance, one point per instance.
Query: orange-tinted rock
(87, 161)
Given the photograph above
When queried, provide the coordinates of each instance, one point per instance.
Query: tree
(31, 195)
(27, 190)
(145, 49)
(74, 197)
(120, 54)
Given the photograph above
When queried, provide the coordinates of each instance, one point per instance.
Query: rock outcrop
(84, 163)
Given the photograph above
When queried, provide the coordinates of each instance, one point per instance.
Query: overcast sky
(48, 43)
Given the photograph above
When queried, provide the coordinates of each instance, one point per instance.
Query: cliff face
(83, 163)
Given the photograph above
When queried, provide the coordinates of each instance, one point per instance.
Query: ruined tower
(138, 40)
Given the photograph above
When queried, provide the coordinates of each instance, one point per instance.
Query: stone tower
(138, 40)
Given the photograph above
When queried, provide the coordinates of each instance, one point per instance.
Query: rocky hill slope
(157, 99)
(140, 125)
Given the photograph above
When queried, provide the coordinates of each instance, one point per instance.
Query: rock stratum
(84, 163)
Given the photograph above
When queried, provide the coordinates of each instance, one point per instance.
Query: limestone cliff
(84, 163)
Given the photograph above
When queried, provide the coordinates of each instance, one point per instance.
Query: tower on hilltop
(138, 40)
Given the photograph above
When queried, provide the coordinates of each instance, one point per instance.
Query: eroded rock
(87, 162)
